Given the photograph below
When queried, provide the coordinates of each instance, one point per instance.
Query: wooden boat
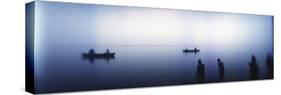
(92, 54)
(195, 50)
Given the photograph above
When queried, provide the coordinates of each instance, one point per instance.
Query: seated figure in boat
(107, 51)
(91, 51)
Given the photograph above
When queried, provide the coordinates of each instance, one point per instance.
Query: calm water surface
(64, 69)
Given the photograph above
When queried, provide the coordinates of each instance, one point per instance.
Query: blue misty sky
(81, 24)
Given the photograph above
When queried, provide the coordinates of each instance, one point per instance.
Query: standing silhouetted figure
(91, 51)
(200, 71)
(221, 69)
(254, 69)
(107, 51)
(269, 64)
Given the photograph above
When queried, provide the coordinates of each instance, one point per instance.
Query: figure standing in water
(200, 71)
(221, 69)
(254, 69)
(269, 64)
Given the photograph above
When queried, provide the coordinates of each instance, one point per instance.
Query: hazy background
(148, 44)
(112, 25)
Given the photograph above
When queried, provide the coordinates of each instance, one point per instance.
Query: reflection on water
(92, 59)
(147, 66)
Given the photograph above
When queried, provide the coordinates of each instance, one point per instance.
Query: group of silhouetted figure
(253, 69)
(200, 74)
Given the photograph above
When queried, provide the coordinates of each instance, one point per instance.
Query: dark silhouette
(92, 56)
(269, 64)
(195, 50)
(200, 74)
(253, 68)
(92, 53)
(221, 69)
(107, 51)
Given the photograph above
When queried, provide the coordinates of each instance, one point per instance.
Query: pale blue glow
(113, 25)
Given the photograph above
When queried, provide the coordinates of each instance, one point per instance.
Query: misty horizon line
(150, 45)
